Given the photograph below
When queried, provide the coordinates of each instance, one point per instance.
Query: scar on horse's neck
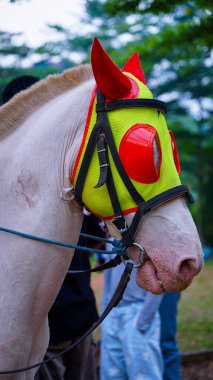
(22, 105)
(26, 189)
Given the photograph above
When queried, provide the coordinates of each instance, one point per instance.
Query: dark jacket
(74, 310)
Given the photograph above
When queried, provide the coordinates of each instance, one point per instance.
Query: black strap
(103, 119)
(102, 125)
(86, 162)
(103, 160)
(109, 264)
(113, 303)
(113, 195)
(127, 236)
(131, 103)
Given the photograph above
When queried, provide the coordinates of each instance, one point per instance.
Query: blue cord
(96, 238)
(118, 244)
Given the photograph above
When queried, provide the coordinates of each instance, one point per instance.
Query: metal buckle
(120, 223)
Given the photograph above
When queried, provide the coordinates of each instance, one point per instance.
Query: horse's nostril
(188, 269)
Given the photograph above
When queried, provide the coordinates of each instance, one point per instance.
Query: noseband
(102, 137)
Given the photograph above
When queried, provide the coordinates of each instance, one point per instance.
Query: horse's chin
(155, 282)
(148, 279)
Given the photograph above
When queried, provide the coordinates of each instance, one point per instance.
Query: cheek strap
(143, 208)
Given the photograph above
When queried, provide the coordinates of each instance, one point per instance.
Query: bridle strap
(86, 162)
(113, 194)
(143, 208)
(109, 264)
(103, 159)
(103, 119)
(102, 124)
(131, 103)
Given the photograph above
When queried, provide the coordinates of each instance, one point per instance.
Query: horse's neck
(41, 152)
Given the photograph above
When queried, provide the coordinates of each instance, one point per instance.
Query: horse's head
(128, 165)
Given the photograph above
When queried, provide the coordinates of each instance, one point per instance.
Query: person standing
(72, 314)
(171, 355)
(130, 334)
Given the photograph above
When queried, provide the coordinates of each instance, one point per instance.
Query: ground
(198, 369)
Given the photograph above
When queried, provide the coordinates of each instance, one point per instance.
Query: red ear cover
(133, 66)
(109, 78)
(175, 152)
(136, 152)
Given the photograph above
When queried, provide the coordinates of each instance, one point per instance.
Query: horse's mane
(24, 103)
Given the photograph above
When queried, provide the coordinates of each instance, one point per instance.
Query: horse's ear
(109, 78)
(133, 66)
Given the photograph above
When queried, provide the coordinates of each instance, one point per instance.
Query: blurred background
(174, 40)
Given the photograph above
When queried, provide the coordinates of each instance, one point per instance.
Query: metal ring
(161, 286)
(142, 256)
(67, 194)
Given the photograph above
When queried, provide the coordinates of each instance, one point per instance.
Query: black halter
(102, 137)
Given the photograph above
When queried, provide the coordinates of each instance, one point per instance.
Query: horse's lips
(152, 283)
(157, 281)
(152, 278)
(149, 278)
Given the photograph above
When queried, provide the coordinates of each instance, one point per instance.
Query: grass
(195, 316)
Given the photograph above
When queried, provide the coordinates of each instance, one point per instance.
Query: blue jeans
(127, 353)
(169, 347)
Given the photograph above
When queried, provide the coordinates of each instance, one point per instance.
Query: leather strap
(103, 159)
(131, 103)
(143, 208)
(103, 119)
(109, 264)
(86, 162)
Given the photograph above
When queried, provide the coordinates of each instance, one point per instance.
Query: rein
(118, 259)
(118, 247)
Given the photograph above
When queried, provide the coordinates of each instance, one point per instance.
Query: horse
(43, 137)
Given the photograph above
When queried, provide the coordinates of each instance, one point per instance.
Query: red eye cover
(137, 153)
(175, 152)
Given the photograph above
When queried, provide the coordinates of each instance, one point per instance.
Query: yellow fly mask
(116, 171)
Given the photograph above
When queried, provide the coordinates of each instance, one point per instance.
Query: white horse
(40, 133)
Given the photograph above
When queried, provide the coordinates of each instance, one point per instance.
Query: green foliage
(16, 53)
(195, 329)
